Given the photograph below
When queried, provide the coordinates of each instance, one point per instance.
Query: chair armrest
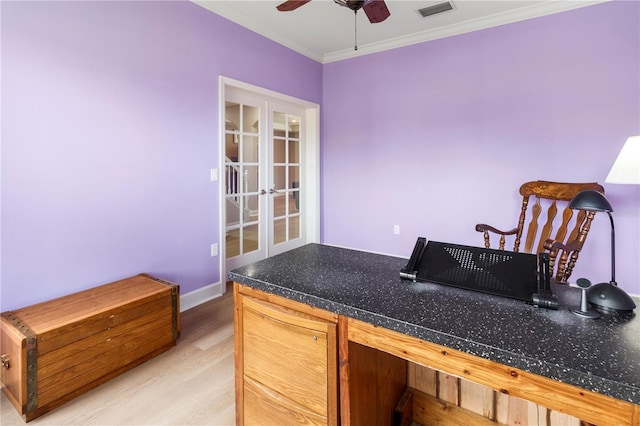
(566, 261)
(554, 246)
(481, 227)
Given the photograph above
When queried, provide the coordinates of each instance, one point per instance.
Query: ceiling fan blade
(376, 11)
(290, 5)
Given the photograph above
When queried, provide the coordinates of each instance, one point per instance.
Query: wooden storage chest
(56, 350)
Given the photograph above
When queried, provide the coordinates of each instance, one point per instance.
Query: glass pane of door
(286, 178)
(242, 179)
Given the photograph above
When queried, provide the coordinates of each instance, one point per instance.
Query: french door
(264, 185)
(285, 216)
(244, 178)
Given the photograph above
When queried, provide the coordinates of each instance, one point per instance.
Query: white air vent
(435, 8)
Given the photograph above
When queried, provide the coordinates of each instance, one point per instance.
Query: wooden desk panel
(586, 405)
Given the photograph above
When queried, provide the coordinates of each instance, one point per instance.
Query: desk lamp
(626, 168)
(608, 297)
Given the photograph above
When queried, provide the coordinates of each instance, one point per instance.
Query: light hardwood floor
(191, 384)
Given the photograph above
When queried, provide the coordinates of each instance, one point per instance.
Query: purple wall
(109, 129)
(110, 126)
(437, 137)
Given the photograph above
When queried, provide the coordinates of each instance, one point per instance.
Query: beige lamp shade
(626, 168)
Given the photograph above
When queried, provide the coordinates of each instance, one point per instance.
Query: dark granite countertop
(601, 355)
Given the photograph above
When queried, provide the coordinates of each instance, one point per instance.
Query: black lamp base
(609, 298)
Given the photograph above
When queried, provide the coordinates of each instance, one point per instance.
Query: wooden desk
(548, 357)
(589, 406)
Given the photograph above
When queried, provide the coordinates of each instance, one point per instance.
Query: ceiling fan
(376, 10)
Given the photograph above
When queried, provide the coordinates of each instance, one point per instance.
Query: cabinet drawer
(264, 406)
(288, 351)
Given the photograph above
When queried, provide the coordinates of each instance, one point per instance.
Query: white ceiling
(324, 30)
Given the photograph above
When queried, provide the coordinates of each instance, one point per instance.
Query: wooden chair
(563, 246)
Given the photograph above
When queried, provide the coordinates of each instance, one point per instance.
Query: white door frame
(311, 170)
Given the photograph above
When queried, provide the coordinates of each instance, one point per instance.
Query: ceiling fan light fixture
(354, 5)
(435, 9)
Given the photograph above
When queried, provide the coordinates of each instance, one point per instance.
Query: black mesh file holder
(497, 272)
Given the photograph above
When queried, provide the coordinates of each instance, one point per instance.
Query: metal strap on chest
(31, 340)
(175, 293)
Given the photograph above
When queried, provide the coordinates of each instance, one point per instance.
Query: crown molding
(221, 8)
(533, 11)
(530, 12)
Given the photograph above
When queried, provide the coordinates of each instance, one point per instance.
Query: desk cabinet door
(288, 359)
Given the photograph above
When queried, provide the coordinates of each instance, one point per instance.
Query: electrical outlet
(396, 229)
(214, 249)
(214, 175)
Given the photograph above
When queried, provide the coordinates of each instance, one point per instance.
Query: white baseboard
(201, 295)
